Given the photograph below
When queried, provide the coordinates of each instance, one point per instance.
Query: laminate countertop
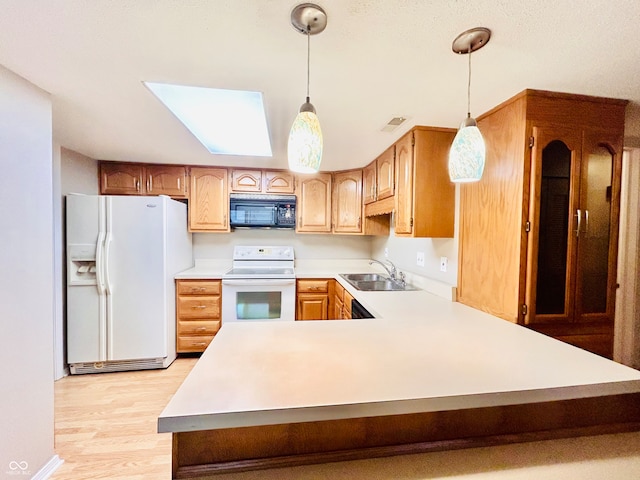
(422, 353)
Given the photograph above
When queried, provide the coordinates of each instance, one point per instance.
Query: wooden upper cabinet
(425, 196)
(118, 178)
(404, 181)
(347, 202)
(262, 181)
(209, 200)
(369, 182)
(279, 181)
(246, 180)
(121, 179)
(166, 180)
(378, 178)
(313, 204)
(386, 168)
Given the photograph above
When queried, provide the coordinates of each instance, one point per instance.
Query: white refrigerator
(122, 255)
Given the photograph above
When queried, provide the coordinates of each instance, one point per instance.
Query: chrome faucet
(391, 271)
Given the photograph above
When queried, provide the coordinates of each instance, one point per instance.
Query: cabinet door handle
(579, 215)
(178, 183)
(199, 306)
(150, 187)
(359, 223)
(137, 185)
(586, 222)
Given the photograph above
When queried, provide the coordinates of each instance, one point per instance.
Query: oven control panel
(243, 252)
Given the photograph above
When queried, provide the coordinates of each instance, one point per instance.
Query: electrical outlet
(443, 264)
(420, 259)
(386, 252)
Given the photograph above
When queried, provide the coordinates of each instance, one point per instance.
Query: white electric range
(260, 286)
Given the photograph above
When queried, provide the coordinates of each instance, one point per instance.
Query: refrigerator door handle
(100, 263)
(107, 251)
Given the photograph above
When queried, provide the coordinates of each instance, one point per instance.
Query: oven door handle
(266, 282)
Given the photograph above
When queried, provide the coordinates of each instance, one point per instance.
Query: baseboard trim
(48, 469)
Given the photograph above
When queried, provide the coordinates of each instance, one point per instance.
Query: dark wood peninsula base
(209, 452)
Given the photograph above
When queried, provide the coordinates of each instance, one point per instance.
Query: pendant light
(304, 149)
(467, 154)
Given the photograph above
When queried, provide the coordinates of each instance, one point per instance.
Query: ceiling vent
(393, 124)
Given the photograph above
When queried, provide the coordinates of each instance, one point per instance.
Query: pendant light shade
(304, 149)
(305, 141)
(467, 154)
(468, 151)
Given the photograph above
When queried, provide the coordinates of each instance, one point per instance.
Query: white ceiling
(376, 59)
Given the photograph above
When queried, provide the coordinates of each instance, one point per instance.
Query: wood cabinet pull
(201, 329)
(198, 289)
(150, 182)
(178, 183)
(199, 306)
(137, 185)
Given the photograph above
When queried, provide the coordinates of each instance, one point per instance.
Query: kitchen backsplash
(306, 246)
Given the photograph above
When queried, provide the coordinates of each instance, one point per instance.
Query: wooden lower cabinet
(322, 299)
(341, 302)
(312, 299)
(198, 305)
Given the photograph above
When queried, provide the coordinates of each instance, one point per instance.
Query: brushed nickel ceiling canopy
(308, 18)
(471, 40)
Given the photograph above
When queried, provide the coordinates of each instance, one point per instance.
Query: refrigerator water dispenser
(81, 264)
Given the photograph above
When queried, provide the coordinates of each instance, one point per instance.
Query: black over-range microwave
(262, 211)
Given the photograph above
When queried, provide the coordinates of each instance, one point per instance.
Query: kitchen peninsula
(427, 374)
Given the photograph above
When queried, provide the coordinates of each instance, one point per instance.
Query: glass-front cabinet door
(571, 254)
(597, 250)
(552, 245)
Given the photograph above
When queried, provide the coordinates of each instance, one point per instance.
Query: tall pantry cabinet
(539, 232)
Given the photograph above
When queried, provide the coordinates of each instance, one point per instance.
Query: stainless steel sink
(362, 277)
(373, 282)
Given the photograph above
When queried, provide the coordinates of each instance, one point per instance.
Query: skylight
(228, 122)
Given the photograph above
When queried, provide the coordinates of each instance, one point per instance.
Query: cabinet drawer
(198, 327)
(313, 286)
(198, 307)
(198, 287)
(193, 344)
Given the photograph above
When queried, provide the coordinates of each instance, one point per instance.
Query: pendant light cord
(308, 57)
(468, 87)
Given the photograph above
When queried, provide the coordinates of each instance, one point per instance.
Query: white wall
(626, 348)
(26, 278)
(403, 253)
(220, 245)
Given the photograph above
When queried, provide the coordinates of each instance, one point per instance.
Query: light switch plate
(420, 259)
(386, 252)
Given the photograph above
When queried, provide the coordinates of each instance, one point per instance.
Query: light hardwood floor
(106, 424)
